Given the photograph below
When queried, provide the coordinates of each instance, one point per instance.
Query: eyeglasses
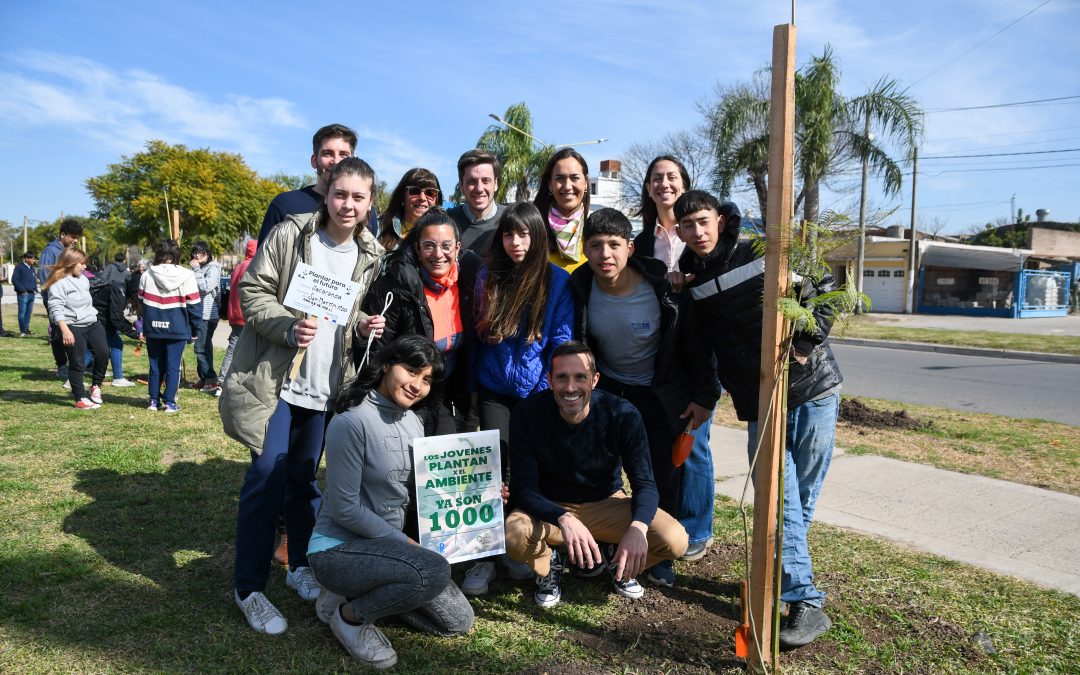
(429, 246)
(416, 190)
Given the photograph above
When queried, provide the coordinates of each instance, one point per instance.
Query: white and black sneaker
(261, 613)
(549, 588)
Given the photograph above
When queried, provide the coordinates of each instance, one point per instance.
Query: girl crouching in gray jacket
(363, 549)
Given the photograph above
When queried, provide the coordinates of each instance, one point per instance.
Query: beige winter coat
(262, 357)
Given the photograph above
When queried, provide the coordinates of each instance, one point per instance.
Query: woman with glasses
(417, 192)
(427, 289)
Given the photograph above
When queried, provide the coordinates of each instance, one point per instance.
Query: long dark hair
(414, 351)
(544, 199)
(423, 178)
(352, 166)
(647, 207)
(512, 291)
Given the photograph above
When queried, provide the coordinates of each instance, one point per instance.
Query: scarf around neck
(567, 231)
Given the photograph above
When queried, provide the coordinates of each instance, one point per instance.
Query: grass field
(116, 551)
(870, 327)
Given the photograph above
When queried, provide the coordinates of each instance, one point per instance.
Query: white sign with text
(326, 296)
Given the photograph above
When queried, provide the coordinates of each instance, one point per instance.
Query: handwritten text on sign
(459, 494)
(324, 295)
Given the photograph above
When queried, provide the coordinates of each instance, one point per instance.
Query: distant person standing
(236, 315)
(72, 311)
(70, 231)
(477, 218)
(108, 291)
(25, 283)
(329, 145)
(208, 279)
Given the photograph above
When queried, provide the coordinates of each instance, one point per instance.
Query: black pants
(659, 432)
(94, 336)
(494, 413)
(56, 339)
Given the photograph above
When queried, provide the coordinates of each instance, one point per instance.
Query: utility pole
(909, 297)
(25, 233)
(862, 218)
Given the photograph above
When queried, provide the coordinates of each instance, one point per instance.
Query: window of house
(884, 273)
(899, 274)
(868, 273)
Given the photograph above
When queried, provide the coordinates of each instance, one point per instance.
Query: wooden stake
(300, 354)
(778, 221)
(176, 226)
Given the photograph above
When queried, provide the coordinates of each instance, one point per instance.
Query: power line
(1014, 104)
(1004, 133)
(1013, 168)
(977, 45)
(1001, 154)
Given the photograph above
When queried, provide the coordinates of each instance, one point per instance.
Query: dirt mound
(856, 413)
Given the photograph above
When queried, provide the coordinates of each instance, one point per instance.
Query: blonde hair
(65, 266)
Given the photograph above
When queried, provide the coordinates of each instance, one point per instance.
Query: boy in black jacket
(726, 278)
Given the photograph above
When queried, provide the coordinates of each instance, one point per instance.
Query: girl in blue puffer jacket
(525, 311)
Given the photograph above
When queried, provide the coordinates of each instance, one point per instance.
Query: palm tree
(830, 130)
(522, 156)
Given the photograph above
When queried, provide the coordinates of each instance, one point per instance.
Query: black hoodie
(728, 288)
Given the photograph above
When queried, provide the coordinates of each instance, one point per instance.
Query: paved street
(1002, 386)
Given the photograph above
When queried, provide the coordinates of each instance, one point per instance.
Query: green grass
(872, 328)
(116, 551)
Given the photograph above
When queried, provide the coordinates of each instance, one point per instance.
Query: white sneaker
(327, 604)
(518, 571)
(122, 382)
(95, 394)
(478, 577)
(261, 614)
(67, 384)
(303, 581)
(365, 642)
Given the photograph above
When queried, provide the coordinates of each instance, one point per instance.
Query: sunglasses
(416, 190)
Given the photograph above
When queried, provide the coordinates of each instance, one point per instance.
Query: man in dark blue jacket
(329, 145)
(725, 276)
(25, 284)
(568, 448)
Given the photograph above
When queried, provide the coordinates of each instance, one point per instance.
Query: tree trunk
(762, 191)
(811, 201)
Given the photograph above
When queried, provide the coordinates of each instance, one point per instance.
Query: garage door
(886, 288)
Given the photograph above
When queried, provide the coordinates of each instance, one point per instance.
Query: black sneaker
(549, 589)
(597, 569)
(804, 623)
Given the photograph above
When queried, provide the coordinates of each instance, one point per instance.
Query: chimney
(895, 231)
(609, 168)
(1041, 215)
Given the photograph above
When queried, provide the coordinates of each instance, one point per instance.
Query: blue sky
(83, 83)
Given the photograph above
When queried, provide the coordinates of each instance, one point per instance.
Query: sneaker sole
(659, 582)
(473, 592)
(388, 662)
(695, 557)
(547, 603)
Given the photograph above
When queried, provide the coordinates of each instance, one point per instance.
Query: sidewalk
(1003, 527)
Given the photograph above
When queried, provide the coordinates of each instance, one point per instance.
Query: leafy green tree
(521, 156)
(291, 181)
(218, 195)
(830, 132)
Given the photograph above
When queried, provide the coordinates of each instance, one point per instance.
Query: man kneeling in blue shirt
(568, 448)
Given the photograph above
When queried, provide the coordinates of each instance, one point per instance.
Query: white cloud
(123, 109)
(392, 155)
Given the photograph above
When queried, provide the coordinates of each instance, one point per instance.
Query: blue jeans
(811, 430)
(698, 487)
(26, 309)
(284, 471)
(116, 353)
(204, 352)
(165, 358)
(391, 577)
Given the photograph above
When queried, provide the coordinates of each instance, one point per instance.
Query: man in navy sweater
(25, 284)
(568, 448)
(329, 145)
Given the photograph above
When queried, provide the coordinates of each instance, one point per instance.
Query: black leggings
(94, 336)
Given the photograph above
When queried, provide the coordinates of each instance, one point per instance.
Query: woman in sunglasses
(417, 192)
(427, 288)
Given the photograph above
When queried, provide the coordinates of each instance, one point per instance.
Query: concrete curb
(964, 351)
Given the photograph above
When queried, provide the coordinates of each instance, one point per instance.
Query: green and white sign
(459, 494)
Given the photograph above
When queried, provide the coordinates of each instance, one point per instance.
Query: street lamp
(500, 120)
